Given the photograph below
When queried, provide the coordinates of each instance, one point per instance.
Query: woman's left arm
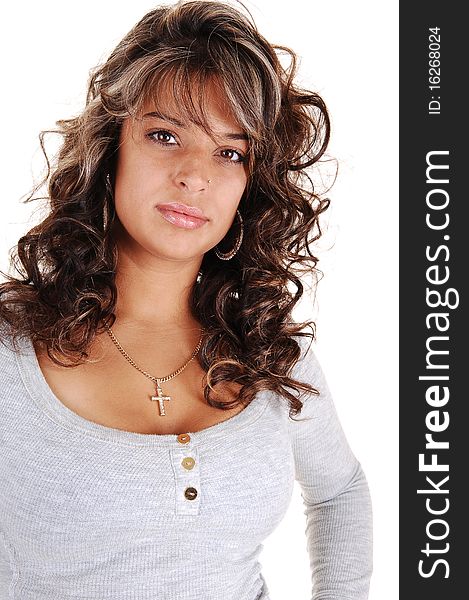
(335, 493)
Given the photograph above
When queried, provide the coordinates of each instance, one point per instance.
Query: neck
(153, 293)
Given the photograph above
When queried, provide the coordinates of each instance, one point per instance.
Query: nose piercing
(209, 180)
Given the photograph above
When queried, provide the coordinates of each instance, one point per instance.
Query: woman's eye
(166, 138)
(233, 156)
(162, 137)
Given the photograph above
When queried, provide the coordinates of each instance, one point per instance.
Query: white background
(348, 54)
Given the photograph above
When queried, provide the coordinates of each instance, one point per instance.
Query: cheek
(232, 188)
(227, 201)
(139, 184)
(137, 169)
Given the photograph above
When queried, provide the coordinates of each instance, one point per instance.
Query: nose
(192, 175)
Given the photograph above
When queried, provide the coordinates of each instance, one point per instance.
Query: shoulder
(307, 366)
(5, 340)
(8, 348)
(306, 344)
(10, 378)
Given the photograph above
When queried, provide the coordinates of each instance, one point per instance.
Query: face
(163, 159)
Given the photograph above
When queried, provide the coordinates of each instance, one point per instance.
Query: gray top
(92, 512)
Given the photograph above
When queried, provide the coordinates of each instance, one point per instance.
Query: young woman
(158, 400)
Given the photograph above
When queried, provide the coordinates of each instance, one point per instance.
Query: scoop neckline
(41, 393)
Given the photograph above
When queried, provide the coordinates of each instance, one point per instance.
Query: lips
(192, 211)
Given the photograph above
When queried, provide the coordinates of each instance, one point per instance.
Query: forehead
(207, 107)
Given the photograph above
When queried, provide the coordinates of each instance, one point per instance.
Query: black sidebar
(434, 257)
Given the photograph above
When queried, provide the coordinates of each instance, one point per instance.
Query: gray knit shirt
(91, 512)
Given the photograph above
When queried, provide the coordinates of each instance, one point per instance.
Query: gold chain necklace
(160, 397)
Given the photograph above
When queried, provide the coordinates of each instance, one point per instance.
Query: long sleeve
(335, 494)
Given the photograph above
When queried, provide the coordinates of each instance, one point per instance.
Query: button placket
(185, 462)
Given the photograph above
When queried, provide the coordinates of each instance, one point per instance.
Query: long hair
(66, 289)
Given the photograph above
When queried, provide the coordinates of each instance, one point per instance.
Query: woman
(158, 400)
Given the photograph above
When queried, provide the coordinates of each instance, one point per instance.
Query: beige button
(184, 438)
(190, 493)
(188, 463)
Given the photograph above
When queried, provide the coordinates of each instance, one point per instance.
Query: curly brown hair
(66, 291)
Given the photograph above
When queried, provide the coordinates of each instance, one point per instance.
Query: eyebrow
(173, 121)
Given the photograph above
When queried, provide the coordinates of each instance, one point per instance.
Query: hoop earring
(229, 255)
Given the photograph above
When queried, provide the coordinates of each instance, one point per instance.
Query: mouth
(191, 211)
(179, 219)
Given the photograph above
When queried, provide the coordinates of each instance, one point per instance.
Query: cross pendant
(160, 399)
